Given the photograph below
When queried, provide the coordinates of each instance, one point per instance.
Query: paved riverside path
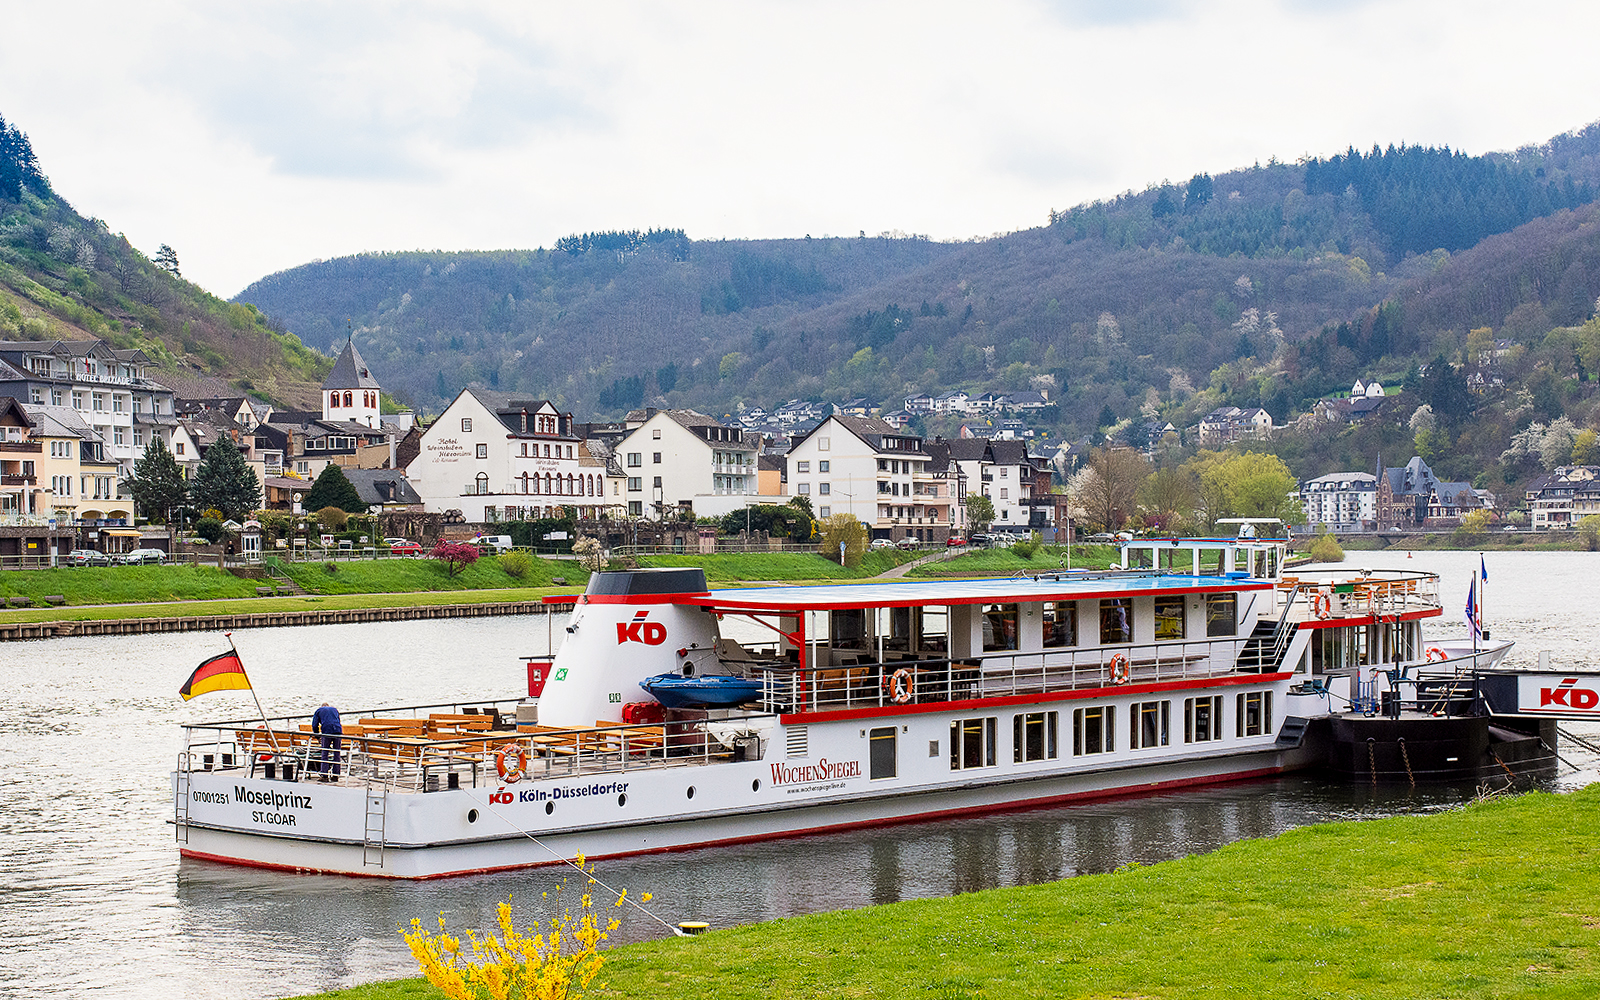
(932, 557)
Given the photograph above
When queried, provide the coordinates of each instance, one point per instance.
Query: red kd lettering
(628, 632)
(649, 633)
(1584, 698)
(1552, 696)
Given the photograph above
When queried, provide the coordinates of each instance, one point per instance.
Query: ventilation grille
(797, 742)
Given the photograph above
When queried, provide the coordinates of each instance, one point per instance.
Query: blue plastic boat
(677, 691)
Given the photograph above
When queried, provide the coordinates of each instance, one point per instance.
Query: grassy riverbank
(1495, 900)
(1499, 541)
(740, 566)
(1007, 561)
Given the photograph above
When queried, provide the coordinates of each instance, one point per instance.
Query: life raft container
(511, 763)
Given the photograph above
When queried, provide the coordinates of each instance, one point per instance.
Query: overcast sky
(256, 137)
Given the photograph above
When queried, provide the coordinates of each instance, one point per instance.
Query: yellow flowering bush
(554, 960)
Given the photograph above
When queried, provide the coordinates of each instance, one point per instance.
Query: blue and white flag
(1474, 613)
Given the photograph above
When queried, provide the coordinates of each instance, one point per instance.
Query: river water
(98, 904)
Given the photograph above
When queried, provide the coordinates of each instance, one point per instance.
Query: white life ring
(1121, 671)
(509, 772)
(1435, 654)
(1322, 604)
(902, 685)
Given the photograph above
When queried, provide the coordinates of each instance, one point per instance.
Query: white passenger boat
(1198, 661)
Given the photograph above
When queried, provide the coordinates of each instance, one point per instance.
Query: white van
(499, 543)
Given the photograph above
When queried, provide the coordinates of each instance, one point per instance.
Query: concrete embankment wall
(269, 619)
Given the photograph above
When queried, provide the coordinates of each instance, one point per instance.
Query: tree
(334, 489)
(844, 538)
(980, 511)
(158, 485)
(225, 482)
(167, 260)
(454, 556)
(1247, 485)
(1109, 491)
(591, 556)
(1168, 497)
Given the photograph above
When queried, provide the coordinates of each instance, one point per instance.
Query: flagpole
(264, 723)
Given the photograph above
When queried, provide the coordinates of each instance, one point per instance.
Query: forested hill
(1182, 286)
(66, 277)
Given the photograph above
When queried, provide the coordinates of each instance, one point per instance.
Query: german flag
(220, 673)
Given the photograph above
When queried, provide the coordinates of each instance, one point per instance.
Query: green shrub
(517, 564)
(1029, 548)
(210, 529)
(1325, 548)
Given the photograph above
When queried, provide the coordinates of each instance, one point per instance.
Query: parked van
(499, 543)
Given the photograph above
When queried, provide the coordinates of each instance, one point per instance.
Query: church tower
(350, 392)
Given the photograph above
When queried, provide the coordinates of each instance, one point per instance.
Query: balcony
(9, 480)
(22, 447)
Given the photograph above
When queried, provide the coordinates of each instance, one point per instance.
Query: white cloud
(257, 138)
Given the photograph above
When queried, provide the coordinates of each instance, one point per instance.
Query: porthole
(691, 791)
(755, 786)
(622, 799)
(472, 815)
(549, 807)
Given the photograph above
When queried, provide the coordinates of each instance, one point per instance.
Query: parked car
(883, 543)
(494, 543)
(909, 543)
(88, 557)
(403, 547)
(979, 539)
(955, 540)
(1102, 537)
(392, 542)
(141, 557)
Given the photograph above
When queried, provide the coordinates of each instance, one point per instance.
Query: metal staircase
(1267, 644)
(373, 837)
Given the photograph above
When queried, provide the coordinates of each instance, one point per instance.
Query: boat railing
(1359, 593)
(378, 747)
(791, 688)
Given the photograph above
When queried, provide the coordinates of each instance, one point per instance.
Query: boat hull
(744, 806)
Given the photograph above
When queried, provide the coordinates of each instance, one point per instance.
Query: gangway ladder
(373, 836)
(180, 818)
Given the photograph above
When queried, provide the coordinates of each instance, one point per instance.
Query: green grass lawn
(783, 565)
(409, 575)
(124, 584)
(996, 561)
(1497, 900)
(261, 605)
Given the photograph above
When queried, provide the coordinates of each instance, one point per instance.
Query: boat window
(1092, 729)
(1140, 557)
(1222, 615)
(1202, 719)
(881, 753)
(847, 628)
(1254, 716)
(1060, 624)
(972, 743)
(1148, 723)
(1272, 562)
(1175, 560)
(1260, 570)
(1211, 563)
(1116, 620)
(933, 634)
(999, 627)
(1169, 617)
(1033, 737)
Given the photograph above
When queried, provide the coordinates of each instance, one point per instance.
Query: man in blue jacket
(325, 723)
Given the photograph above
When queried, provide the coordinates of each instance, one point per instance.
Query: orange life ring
(511, 773)
(902, 685)
(1435, 654)
(1120, 669)
(1322, 604)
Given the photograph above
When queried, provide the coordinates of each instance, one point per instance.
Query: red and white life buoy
(1435, 654)
(1121, 671)
(1322, 604)
(511, 763)
(902, 685)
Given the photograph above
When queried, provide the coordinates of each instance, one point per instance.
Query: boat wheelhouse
(869, 703)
